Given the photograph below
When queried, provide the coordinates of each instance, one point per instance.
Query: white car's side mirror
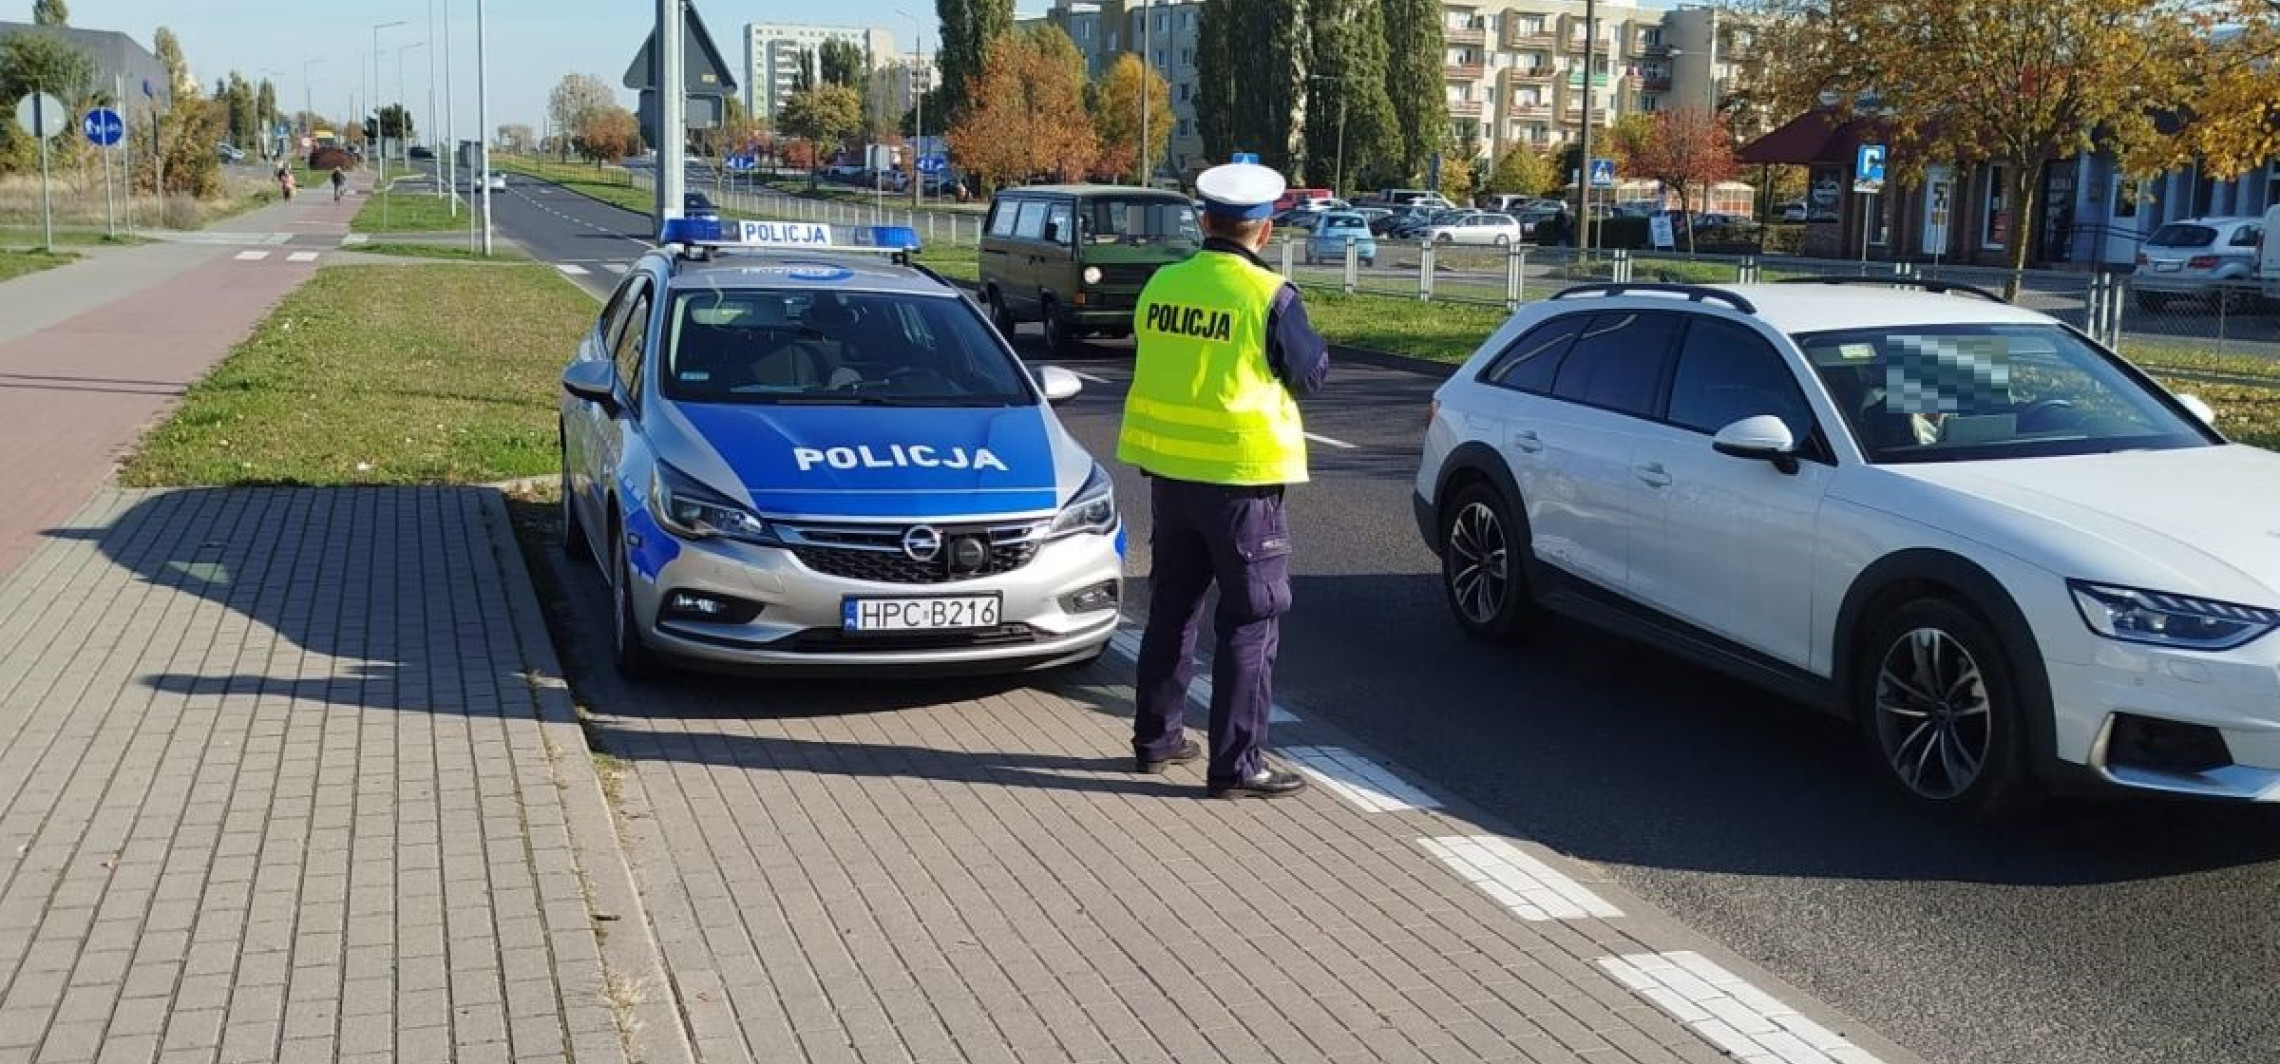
(2200, 408)
(1058, 384)
(1763, 438)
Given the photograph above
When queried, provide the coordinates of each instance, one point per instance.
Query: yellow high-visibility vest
(1205, 405)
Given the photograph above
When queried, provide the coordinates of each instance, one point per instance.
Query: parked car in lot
(2011, 559)
(1075, 257)
(829, 464)
(1477, 228)
(1339, 228)
(2202, 259)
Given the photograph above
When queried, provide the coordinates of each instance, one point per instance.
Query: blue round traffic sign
(103, 127)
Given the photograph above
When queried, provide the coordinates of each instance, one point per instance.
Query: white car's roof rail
(1696, 292)
(1903, 282)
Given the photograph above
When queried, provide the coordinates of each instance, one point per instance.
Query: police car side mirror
(1059, 384)
(594, 381)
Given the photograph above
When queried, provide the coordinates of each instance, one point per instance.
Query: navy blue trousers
(1236, 538)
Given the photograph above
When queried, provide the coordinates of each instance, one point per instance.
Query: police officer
(1212, 418)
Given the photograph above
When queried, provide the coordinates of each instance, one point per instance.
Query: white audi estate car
(2015, 561)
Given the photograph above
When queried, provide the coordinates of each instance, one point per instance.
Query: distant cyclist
(339, 184)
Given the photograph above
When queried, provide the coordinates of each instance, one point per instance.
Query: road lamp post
(379, 151)
(308, 97)
(483, 114)
(436, 163)
(1583, 167)
(1338, 172)
(1147, 66)
(403, 117)
(917, 110)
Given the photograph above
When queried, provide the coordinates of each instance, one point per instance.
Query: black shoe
(1265, 783)
(1188, 751)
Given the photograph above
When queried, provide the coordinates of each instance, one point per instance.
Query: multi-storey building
(1515, 69)
(774, 53)
(896, 85)
(1105, 29)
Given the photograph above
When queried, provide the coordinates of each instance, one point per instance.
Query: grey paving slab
(969, 871)
(283, 789)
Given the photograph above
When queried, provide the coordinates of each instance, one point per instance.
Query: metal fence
(2134, 315)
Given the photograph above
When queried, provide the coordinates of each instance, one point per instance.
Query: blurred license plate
(2166, 267)
(919, 614)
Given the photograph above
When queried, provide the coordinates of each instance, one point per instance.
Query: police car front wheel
(629, 651)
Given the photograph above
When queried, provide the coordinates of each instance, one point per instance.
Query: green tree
(50, 13)
(1117, 117)
(168, 47)
(38, 62)
(1524, 171)
(1260, 56)
(1346, 102)
(237, 97)
(842, 63)
(826, 115)
(1215, 77)
(1414, 80)
(969, 27)
(934, 107)
(265, 106)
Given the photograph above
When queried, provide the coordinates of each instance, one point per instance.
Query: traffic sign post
(44, 116)
(105, 128)
(1868, 180)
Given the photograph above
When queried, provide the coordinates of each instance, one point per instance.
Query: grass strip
(414, 250)
(398, 211)
(432, 373)
(18, 263)
(25, 236)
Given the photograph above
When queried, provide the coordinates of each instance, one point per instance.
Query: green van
(1076, 256)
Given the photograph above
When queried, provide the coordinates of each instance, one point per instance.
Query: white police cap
(1240, 190)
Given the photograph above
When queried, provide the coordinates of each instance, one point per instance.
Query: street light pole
(483, 121)
(403, 117)
(308, 97)
(435, 163)
(1147, 64)
(380, 150)
(448, 170)
(917, 110)
(1583, 167)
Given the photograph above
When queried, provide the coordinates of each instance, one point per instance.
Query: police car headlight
(692, 511)
(1092, 275)
(1092, 511)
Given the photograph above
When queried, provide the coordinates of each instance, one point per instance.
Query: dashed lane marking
(302, 256)
(1126, 643)
(1513, 878)
(353, 239)
(574, 271)
(251, 256)
(1082, 375)
(1327, 441)
(1749, 1024)
(1364, 784)
(615, 267)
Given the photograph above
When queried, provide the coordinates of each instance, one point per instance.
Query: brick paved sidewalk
(274, 787)
(843, 872)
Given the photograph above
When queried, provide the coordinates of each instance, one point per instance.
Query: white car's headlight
(692, 511)
(1092, 510)
(2179, 621)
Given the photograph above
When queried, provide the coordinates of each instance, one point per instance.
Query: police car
(786, 445)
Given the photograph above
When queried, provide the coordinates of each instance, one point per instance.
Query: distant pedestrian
(339, 184)
(285, 182)
(1212, 417)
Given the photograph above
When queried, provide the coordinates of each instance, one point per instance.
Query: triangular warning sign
(702, 68)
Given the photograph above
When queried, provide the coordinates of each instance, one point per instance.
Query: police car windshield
(1139, 220)
(803, 346)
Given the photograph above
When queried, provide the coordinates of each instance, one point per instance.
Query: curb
(658, 1035)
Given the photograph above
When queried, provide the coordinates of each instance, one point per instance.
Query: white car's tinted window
(1969, 392)
(2179, 235)
(754, 345)
(1726, 373)
(1617, 362)
(1532, 362)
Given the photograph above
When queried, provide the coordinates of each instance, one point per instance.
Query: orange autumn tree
(1027, 116)
(1689, 150)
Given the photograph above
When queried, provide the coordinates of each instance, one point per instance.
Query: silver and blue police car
(787, 445)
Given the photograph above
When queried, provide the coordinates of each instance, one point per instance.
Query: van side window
(1030, 224)
(1001, 217)
(1060, 224)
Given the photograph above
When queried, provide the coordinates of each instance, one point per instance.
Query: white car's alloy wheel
(1934, 717)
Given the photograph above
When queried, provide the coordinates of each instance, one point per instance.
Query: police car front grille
(830, 640)
(874, 553)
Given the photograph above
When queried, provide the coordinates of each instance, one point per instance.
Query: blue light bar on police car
(716, 233)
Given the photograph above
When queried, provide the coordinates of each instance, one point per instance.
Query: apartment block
(1515, 69)
(774, 54)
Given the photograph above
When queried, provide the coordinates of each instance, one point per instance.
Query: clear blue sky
(533, 43)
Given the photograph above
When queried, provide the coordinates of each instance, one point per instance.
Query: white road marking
(1126, 643)
(1748, 1023)
(1082, 375)
(252, 256)
(302, 256)
(574, 271)
(615, 267)
(1327, 441)
(1365, 785)
(353, 239)
(1516, 880)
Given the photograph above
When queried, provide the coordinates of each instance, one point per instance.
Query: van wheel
(1060, 335)
(1000, 315)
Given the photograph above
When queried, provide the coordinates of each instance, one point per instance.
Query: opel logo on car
(922, 543)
